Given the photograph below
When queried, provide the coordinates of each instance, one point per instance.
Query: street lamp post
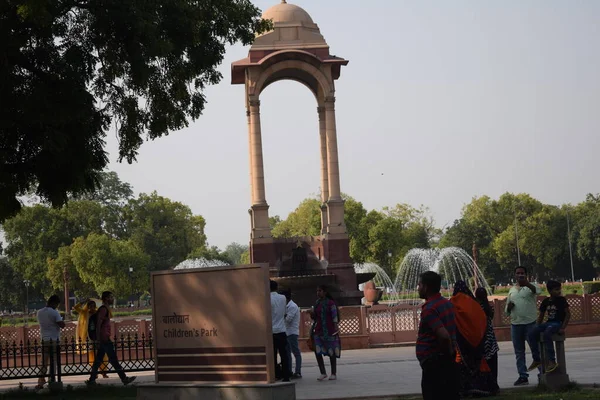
(27, 282)
(570, 246)
(67, 306)
(131, 282)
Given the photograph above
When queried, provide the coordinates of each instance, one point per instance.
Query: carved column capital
(329, 99)
(254, 103)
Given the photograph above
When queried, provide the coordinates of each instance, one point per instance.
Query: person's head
(273, 285)
(554, 288)
(107, 297)
(520, 273)
(288, 295)
(461, 287)
(91, 306)
(429, 284)
(323, 292)
(481, 295)
(53, 301)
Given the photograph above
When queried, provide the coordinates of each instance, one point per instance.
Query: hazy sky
(448, 100)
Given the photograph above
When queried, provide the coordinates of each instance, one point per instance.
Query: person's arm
(431, 318)
(291, 314)
(542, 312)
(335, 318)
(102, 319)
(567, 318)
(58, 320)
(509, 304)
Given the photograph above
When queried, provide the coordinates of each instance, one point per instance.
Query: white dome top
(286, 13)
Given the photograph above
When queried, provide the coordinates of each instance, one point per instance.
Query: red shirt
(435, 313)
(103, 319)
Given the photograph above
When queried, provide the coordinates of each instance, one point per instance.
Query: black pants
(280, 346)
(107, 348)
(321, 363)
(493, 364)
(440, 379)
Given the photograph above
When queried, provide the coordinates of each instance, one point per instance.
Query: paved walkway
(394, 371)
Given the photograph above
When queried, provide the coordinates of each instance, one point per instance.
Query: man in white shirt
(50, 325)
(278, 304)
(292, 330)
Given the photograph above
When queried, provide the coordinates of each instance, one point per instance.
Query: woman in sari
(325, 332)
(85, 310)
(471, 325)
(491, 349)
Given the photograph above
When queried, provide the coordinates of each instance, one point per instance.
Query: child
(558, 317)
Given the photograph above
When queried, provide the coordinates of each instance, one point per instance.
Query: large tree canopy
(70, 68)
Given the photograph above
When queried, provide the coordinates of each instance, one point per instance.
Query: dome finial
(283, 2)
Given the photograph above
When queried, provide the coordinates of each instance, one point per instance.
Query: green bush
(591, 287)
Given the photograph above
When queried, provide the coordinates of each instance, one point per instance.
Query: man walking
(435, 342)
(50, 325)
(521, 304)
(105, 345)
(292, 330)
(278, 324)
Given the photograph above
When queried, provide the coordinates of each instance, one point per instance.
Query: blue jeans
(519, 335)
(107, 348)
(548, 329)
(293, 348)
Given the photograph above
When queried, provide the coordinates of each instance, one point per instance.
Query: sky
(441, 101)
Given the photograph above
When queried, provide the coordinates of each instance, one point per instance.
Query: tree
(112, 191)
(104, 263)
(12, 288)
(234, 252)
(71, 68)
(587, 229)
(166, 230)
(37, 233)
(305, 220)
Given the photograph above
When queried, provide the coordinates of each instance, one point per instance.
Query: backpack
(93, 325)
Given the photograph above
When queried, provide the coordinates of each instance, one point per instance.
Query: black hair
(326, 290)
(551, 285)
(54, 299)
(521, 267)
(481, 296)
(91, 303)
(432, 280)
(288, 294)
(106, 295)
(273, 285)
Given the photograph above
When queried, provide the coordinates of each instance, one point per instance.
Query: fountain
(200, 263)
(380, 280)
(452, 263)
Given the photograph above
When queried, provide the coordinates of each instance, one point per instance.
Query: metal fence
(68, 357)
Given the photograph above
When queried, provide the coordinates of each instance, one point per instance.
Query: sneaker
(534, 365)
(551, 366)
(522, 382)
(297, 375)
(128, 380)
(332, 377)
(322, 377)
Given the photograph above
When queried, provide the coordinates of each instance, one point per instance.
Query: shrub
(591, 287)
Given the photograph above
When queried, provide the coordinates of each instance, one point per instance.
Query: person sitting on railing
(85, 310)
(50, 325)
(559, 314)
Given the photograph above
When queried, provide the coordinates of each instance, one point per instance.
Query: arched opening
(291, 145)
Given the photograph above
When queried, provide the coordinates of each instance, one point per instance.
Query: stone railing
(363, 327)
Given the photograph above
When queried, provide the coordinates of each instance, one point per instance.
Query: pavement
(390, 371)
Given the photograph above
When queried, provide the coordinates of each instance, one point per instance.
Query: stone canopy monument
(296, 50)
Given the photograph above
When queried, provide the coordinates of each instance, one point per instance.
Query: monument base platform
(217, 391)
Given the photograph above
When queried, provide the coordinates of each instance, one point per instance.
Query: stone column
(335, 204)
(251, 167)
(260, 208)
(332, 152)
(258, 176)
(324, 169)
